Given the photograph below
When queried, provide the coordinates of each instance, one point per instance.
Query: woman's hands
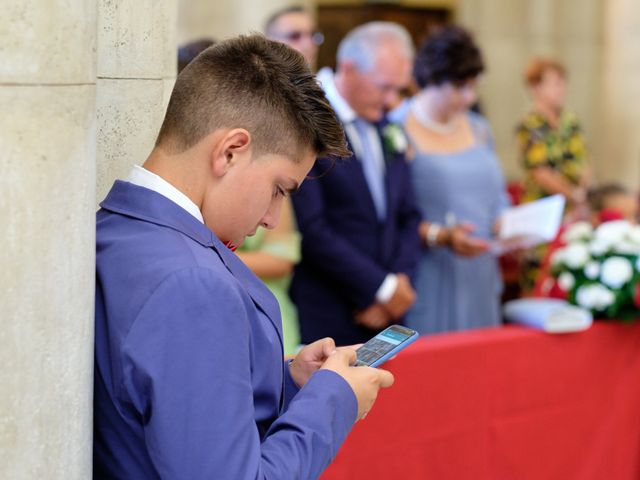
(461, 241)
(459, 238)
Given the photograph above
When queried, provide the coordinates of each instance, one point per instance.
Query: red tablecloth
(505, 403)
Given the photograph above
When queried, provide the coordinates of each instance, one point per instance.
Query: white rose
(592, 270)
(401, 142)
(594, 297)
(566, 281)
(612, 232)
(578, 231)
(396, 138)
(616, 271)
(599, 247)
(634, 234)
(627, 247)
(576, 255)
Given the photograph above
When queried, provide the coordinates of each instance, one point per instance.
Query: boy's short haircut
(263, 86)
(189, 51)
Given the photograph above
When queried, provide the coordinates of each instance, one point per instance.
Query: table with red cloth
(505, 403)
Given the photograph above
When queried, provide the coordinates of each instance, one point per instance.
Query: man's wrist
(387, 288)
(433, 231)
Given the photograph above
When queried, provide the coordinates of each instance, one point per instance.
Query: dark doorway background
(335, 21)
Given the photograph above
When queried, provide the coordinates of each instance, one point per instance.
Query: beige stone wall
(512, 31)
(136, 68)
(599, 41)
(619, 153)
(47, 191)
(224, 19)
(83, 88)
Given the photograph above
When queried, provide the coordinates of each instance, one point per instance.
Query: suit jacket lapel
(258, 292)
(150, 206)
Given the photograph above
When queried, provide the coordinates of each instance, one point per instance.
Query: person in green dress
(271, 255)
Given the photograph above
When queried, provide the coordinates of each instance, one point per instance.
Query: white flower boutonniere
(395, 140)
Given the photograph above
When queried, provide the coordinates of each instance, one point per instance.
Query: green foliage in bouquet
(599, 269)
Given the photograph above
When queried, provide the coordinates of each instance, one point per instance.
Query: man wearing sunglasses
(296, 27)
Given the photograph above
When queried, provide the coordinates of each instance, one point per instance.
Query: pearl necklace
(421, 116)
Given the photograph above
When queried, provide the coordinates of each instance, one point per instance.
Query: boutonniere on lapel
(395, 141)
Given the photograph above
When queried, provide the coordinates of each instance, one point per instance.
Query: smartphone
(384, 345)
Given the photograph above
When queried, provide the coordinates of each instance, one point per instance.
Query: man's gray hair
(360, 46)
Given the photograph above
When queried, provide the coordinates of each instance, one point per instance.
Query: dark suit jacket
(346, 250)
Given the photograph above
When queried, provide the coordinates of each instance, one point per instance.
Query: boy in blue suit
(359, 220)
(189, 374)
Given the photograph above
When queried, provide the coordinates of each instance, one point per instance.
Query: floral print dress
(562, 149)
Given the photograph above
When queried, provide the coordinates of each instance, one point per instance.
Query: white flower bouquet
(599, 269)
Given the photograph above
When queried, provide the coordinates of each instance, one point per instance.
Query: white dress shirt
(144, 178)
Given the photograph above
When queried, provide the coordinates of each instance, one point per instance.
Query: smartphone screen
(384, 345)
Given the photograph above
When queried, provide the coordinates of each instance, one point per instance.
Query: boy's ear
(233, 144)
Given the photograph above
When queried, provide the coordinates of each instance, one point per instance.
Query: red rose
(636, 296)
(556, 292)
(610, 215)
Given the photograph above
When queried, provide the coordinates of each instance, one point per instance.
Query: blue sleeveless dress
(455, 292)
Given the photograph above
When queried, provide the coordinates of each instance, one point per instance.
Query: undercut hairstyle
(186, 53)
(537, 67)
(360, 46)
(268, 27)
(448, 55)
(263, 86)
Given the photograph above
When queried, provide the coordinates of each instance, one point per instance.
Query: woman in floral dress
(552, 149)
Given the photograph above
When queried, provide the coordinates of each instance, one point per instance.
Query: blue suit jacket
(346, 250)
(189, 377)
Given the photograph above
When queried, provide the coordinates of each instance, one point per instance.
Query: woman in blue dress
(459, 186)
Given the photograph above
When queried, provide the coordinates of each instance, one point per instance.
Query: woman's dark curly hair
(447, 55)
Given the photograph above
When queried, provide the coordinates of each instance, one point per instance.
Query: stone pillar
(47, 225)
(137, 60)
(619, 157)
(78, 80)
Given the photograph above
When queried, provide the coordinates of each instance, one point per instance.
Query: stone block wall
(83, 89)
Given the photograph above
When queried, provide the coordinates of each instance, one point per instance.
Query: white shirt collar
(345, 113)
(144, 178)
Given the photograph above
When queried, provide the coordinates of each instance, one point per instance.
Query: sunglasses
(316, 37)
